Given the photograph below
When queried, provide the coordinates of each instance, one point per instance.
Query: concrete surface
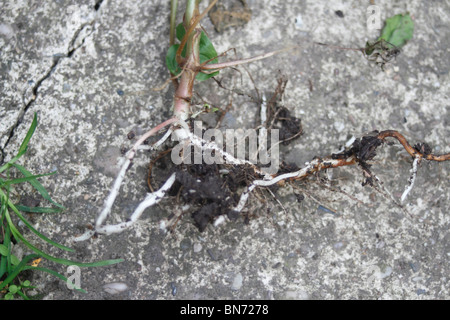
(87, 69)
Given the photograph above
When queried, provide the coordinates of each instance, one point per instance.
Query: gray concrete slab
(87, 70)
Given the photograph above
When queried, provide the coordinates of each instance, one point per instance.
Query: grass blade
(38, 209)
(37, 185)
(20, 237)
(29, 226)
(25, 179)
(23, 146)
(5, 259)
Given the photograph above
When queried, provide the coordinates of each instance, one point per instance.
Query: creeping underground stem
(412, 151)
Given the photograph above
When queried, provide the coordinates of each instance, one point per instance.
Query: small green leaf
(13, 288)
(398, 30)
(181, 31)
(14, 260)
(369, 48)
(171, 61)
(207, 52)
(3, 250)
(9, 296)
(26, 283)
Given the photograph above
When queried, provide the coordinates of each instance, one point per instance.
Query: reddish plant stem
(147, 135)
(320, 164)
(184, 92)
(412, 151)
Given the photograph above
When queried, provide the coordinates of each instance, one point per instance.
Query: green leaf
(181, 31)
(13, 289)
(398, 30)
(4, 250)
(171, 61)
(14, 260)
(207, 52)
(26, 283)
(9, 296)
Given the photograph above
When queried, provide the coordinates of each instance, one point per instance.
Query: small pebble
(115, 287)
(421, 291)
(339, 126)
(174, 288)
(338, 245)
(295, 295)
(237, 282)
(7, 30)
(387, 272)
(185, 244)
(339, 13)
(414, 266)
(66, 87)
(197, 247)
(120, 92)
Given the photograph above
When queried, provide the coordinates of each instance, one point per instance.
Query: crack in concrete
(72, 48)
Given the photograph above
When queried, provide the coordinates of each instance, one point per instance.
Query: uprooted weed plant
(14, 224)
(214, 189)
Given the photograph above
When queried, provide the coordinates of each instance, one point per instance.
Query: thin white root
(205, 145)
(150, 200)
(412, 178)
(271, 181)
(124, 164)
(243, 199)
(158, 143)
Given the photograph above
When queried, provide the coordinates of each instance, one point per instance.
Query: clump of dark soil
(214, 188)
